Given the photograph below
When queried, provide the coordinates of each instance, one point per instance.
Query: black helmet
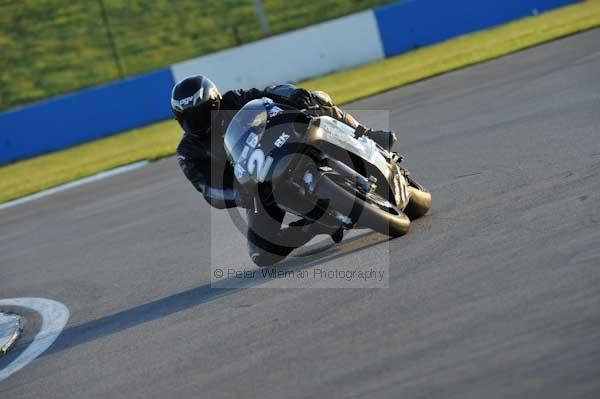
(192, 100)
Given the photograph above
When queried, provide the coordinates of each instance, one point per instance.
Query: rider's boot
(338, 235)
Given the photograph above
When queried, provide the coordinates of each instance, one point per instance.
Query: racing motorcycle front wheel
(360, 209)
(420, 201)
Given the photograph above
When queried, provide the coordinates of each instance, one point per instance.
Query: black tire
(419, 204)
(391, 222)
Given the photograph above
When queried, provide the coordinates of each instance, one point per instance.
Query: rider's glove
(290, 95)
(302, 98)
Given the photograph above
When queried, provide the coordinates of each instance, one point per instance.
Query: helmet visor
(195, 120)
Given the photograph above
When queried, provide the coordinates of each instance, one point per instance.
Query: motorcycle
(315, 168)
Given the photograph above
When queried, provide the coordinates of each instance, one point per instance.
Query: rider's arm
(197, 170)
(317, 103)
(236, 99)
(334, 112)
(281, 93)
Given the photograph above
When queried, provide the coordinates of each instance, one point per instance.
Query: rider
(204, 115)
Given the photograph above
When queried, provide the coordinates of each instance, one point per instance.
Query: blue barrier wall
(90, 114)
(86, 115)
(415, 23)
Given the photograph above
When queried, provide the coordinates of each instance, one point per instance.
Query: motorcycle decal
(245, 152)
(180, 105)
(266, 166)
(274, 111)
(252, 140)
(185, 101)
(281, 140)
(257, 162)
(239, 171)
(308, 178)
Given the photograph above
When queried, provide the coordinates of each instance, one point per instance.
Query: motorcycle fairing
(325, 129)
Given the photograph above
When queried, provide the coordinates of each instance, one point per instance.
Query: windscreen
(245, 130)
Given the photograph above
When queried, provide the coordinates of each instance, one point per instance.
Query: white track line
(76, 183)
(54, 318)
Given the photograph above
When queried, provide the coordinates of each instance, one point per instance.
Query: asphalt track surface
(496, 294)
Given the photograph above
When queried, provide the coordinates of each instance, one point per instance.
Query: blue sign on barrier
(412, 24)
(86, 115)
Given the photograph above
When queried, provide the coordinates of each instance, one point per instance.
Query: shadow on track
(117, 322)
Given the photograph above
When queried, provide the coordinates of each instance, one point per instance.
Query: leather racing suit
(205, 165)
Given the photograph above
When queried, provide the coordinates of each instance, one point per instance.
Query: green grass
(51, 47)
(457, 53)
(160, 140)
